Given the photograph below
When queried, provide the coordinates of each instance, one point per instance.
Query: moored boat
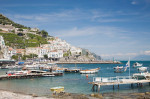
(140, 76)
(143, 69)
(71, 70)
(89, 71)
(137, 64)
(57, 89)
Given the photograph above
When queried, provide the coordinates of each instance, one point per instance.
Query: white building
(32, 50)
(42, 52)
(55, 54)
(3, 49)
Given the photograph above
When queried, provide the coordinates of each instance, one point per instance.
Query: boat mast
(129, 66)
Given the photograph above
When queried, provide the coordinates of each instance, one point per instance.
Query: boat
(57, 89)
(121, 69)
(137, 64)
(143, 69)
(89, 71)
(118, 67)
(48, 75)
(71, 70)
(10, 73)
(140, 76)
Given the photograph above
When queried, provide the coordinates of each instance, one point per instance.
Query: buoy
(87, 76)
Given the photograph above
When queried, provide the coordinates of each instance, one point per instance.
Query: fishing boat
(72, 70)
(137, 64)
(89, 71)
(143, 69)
(75, 70)
(57, 89)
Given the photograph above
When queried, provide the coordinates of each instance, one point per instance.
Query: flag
(127, 64)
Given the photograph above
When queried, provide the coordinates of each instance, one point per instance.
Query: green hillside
(4, 20)
(20, 42)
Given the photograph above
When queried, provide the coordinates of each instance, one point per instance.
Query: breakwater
(85, 62)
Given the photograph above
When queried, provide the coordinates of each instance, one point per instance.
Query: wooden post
(113, 87)
(93, 88)
(137, 85)
(118, 86)
(132, 85)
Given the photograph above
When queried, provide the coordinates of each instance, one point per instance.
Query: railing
(111, 79)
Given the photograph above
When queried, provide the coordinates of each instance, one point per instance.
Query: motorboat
(10, 73)
(89, 71)
(118, 67)
(141, 75)
(48, 75)
(137, 64)
(143, 69)
(75, 70)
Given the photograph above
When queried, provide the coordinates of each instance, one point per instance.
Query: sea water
(74, 82)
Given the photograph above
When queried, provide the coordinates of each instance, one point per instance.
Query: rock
(92, 95)
(147, 93)
(34, 95)
(98, 96)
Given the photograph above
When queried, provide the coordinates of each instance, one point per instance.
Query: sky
(109, 28)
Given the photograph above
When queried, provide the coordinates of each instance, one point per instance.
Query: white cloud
(147, 52)
(86, 31)
(134, 2)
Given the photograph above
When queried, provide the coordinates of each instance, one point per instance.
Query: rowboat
(57, 89)
(89, 71)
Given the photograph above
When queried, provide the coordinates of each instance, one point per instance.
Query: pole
(129, 66)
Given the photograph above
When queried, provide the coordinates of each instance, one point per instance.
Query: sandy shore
(12, 95)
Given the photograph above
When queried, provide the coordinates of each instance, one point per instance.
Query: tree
(46, 56)
(44, 33)
(24, 57)
(15, 57)
(20, 29)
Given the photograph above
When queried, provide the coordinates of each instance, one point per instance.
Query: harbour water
(74, 82)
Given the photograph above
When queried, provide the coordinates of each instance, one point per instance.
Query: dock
(118, 80)
(26, 76)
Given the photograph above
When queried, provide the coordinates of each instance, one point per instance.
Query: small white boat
(48, 75)
(89, 71)
(9, 73)
(57, 89)
(121, 67)
(140, 76)
(143, 69)
(137, 64)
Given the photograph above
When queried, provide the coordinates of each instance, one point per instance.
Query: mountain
(142, 57)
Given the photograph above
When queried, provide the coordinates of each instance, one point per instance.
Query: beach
(12, 95)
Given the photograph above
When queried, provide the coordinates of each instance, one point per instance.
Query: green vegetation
(43, 33)
(24, 57)
(20, 42)
(46, 56)
(5, 21)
